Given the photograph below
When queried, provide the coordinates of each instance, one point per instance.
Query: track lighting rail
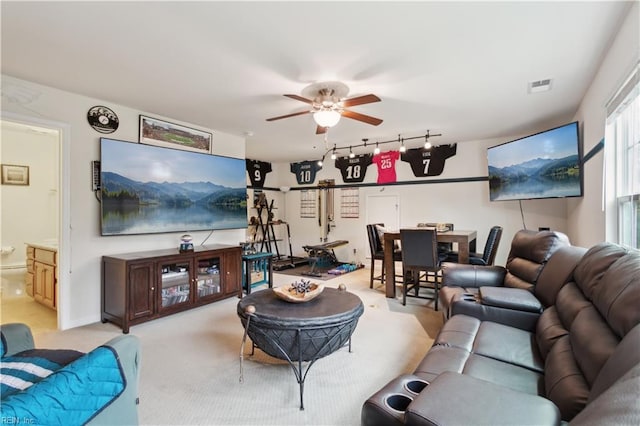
(335, 150)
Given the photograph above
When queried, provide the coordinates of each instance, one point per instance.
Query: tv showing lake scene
(150, 189)
(544, 165)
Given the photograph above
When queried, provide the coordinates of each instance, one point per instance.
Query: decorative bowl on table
(299, 291)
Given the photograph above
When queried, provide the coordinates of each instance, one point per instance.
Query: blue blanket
(19, 371)
(72, 395)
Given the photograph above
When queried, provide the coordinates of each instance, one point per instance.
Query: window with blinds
(623, 132)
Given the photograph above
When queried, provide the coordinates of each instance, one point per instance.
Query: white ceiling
(456, 68)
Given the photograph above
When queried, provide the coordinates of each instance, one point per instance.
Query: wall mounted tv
(148, 189)
(544, 165)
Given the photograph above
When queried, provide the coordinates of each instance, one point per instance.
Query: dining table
(464, 238)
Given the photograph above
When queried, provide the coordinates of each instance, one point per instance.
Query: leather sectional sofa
(579, 364)
(509, 295)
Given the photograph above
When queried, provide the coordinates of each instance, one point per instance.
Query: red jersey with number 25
(386, 162)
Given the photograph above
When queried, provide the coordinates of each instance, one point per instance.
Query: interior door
(384, 209)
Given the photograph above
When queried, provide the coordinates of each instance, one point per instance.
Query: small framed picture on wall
(15, 175)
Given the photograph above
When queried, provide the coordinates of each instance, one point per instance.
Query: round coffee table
(301, 332)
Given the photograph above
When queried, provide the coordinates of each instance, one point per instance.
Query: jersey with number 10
(305, 171)
(386, 162)
(353, 169)
(257, 172)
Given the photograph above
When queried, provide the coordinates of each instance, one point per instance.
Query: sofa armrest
(17, 337)
(465, 275)
(510, 298)
(124, 409)
(477, 402)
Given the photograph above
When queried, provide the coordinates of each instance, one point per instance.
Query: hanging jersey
(305, 171)
(353, 169)
(428, 162)
(386, 162)
(257, 172)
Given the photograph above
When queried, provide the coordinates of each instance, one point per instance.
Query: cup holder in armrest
(398, 402)
(468, 297)
(416, 386)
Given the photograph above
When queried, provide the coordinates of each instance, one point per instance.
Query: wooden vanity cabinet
(42, 274)
(142, 286)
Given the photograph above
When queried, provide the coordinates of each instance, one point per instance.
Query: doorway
(384, 209)
(31, 216)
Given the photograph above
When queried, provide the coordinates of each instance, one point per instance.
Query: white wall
(29, 213)
(586, 217)
(86, 244)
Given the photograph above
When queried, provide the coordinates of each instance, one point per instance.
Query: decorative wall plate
(102, 119)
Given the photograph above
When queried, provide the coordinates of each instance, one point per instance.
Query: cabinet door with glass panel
(207, 277)
(175, 284)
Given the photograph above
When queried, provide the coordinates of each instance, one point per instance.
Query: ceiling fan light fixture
(326, 118)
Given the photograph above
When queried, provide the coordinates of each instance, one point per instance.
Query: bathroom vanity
(42, 273)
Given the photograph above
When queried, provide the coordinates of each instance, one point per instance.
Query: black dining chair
(377, 251)
(420, 255)
(488, 256)
(443, 248)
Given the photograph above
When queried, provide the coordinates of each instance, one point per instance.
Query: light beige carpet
(190, 363)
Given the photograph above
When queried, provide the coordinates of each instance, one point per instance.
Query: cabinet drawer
(30, 252)
(45, 256)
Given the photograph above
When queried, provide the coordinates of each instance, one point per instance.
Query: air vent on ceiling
(540, 85)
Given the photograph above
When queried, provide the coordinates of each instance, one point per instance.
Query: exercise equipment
(322, 255)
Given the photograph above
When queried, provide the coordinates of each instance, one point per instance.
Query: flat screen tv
(544, 165)
(149, 189)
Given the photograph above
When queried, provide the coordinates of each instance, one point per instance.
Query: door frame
(64, 206)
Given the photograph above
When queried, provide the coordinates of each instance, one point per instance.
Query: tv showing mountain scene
(544, 165)
(149, 189)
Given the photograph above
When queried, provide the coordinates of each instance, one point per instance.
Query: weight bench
(322, 253)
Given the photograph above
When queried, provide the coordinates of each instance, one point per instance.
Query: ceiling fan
(329, 103)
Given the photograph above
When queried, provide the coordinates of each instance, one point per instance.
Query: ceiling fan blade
(361, 117)
(320, 130)
(300, 98)
(360, 100)
(288, 115)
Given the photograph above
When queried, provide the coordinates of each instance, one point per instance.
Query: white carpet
(190, 363)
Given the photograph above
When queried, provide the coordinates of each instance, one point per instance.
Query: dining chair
(420, 254)
(488, 256)
(443, 248)
(377, 251)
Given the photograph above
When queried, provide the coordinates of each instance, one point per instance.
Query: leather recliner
(581, 363)
(509, 295)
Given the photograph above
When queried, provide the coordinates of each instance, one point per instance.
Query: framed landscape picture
(15, 175)
(170, 135)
